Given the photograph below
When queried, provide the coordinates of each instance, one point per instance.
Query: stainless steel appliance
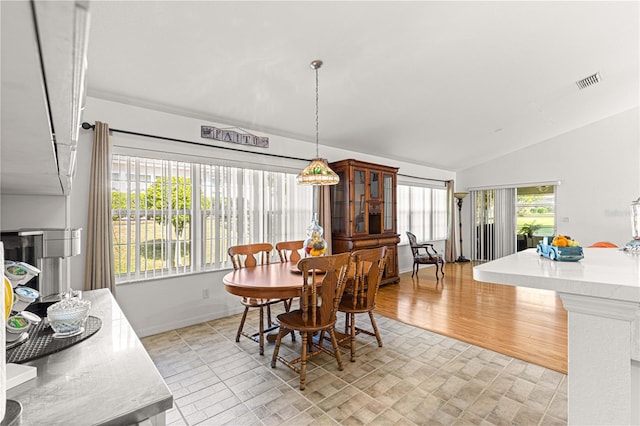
(45, 249)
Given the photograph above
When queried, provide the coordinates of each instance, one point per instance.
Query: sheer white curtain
(276, 208)
(423, 211)
(493, 228)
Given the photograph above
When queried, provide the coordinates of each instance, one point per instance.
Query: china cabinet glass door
(359, 200)
(388, 207)
(339, 211)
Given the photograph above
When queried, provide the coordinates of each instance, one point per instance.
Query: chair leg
(261, 331)
(287, 308)
(274, 357)
(268, 316)
(441, 266)
(347, 321)
(303, 360)
(336, 351)
(244, 317)
(352, 338)
(375, 329)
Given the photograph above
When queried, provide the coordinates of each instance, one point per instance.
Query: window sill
(168, 277)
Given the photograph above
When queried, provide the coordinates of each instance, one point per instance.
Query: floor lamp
(460, 196)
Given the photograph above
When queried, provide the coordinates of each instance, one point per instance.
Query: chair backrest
(413, 242)
(369, 268)
(288, 250)
(248, 255)
(603, 244)
(324, 297)
(430, 251)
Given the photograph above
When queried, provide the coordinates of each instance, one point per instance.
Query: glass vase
(635, 219)
(634, 244)
(315, 244)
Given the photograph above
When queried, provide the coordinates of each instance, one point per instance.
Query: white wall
(26, 212)
(159, 305)
(597, 166)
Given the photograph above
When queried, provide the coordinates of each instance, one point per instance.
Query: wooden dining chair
(289, 251)
(246, 256)
(603, 244)
(317, 314)
(429, 257)
(369, 267)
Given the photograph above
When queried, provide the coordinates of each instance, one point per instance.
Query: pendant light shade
(318, 171)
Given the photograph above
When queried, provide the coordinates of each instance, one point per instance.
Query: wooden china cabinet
(363, 211)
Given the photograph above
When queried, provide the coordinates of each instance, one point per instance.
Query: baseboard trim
(185, 322)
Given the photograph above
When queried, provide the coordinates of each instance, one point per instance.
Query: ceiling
(441, 84)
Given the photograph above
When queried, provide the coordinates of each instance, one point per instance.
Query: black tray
(42, 343)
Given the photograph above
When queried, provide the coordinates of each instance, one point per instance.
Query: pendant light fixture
(318, 171)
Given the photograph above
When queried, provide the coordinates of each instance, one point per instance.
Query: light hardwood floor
(523, 323)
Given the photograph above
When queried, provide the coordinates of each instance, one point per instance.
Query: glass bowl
(68, 316)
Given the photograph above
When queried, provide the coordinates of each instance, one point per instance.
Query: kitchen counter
(107, 378)
(601, 294)
(607, 273)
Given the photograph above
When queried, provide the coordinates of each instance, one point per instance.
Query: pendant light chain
(317, 115)
(318, 171)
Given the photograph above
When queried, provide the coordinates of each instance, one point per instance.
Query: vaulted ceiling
(447, 84)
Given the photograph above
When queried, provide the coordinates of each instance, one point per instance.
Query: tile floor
(417, 378)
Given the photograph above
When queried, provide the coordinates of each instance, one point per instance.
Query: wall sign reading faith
(209, 132)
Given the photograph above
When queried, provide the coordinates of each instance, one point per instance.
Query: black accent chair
(430, 257)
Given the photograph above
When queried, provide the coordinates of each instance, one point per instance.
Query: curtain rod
(424, 178)
(88, 126)
(515, 185)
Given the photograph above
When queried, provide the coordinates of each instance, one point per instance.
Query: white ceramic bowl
(68, 316)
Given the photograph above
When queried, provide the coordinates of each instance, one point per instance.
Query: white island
(602, 296)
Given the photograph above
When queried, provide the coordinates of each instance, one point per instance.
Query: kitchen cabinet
(363, 211)
(44, 68)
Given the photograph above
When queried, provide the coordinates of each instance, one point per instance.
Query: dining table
(271, 281)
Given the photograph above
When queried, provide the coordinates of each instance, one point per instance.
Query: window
(159, 231)
(535, 210)
(422, 211)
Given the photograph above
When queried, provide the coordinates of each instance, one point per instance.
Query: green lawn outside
(152, 243)
(546, 223)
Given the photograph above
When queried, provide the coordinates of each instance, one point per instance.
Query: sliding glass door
(535, 209)
(506, 220)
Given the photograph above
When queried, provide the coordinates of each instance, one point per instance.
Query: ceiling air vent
(589, 81)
